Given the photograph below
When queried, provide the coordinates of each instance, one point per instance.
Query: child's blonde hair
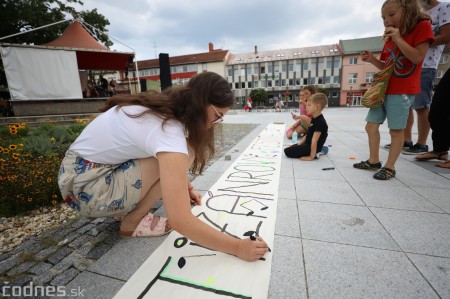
(320, 99)
(412, 14)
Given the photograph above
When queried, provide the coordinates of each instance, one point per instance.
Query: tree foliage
(259, 96)
(23, 15)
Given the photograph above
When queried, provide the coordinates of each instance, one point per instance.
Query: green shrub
(29, 163)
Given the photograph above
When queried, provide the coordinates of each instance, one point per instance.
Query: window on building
(236, 72)
(444, 59)
(329, 63)
(290, 66)
(283, 66)
(249, 70)
(369, 77)
(242, 84)
(250, 84)
(336, 80)
(337, 64)
(291, 82)
(320, 81)
(256, 84)
(321, 63)
(352, 77)
(270, 69)
(305, 66)
(263, 70)
(353, 60)
(230, 71)
(305, 81)
(312, 80)
(334, 94)
(236, 85)
(269, 83)
(277, 82)
(297, 82)
(327, 79)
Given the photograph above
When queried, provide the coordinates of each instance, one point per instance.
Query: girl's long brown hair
(187, 104)
(413, 13)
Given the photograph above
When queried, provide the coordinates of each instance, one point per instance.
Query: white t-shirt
(114, 138)
(440, 14)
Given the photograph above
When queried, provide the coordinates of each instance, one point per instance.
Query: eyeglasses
(219, 118)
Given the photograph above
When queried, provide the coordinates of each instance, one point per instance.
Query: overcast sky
(180, 27)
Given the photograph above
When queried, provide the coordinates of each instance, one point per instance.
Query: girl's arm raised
(174, 182)
(414, 54)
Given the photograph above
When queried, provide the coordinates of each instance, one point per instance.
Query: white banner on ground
(242, 203)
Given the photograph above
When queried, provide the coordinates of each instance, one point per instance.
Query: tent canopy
(91, 54)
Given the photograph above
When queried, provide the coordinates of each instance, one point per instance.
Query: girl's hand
(196, 198)
(392, 33)
(252, 250)
(366, 56)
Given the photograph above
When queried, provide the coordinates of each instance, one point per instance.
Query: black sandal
(367, 165)
(384, 174)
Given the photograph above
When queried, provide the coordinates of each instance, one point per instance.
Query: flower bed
(29, 163)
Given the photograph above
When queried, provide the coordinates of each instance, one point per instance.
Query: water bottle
(294, 137)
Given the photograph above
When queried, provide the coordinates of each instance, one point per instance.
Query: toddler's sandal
(384, 174)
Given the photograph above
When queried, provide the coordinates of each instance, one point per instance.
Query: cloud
(181, 27)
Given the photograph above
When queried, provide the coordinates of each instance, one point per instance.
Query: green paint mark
(210, 280)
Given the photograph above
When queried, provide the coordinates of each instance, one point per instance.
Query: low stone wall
(57, 107)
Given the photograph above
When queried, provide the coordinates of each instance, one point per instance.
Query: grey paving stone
(286, 188)
(64, 278)
(92, 285)
(436, 270)
(81, 222)
(287, 223)
(125, 264)
(9, 263)
(437, 196)
(417, 232)
(343, 224)
(79, 241)
(85, 228)
(18, 269)
(59, 255)
(287, 276)
(343, 271)
(396, 197)
(39, 268)
(331, 192)
(98, 251)
(43, 254)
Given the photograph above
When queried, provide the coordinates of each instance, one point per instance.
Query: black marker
(328, 168)
(254, 239)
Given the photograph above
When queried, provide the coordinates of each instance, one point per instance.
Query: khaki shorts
(99, 190)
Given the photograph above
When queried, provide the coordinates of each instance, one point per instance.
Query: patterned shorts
(99, 190)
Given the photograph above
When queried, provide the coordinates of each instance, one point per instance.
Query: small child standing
(316, 135)
(407, 36)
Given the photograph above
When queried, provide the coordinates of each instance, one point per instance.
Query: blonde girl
(407, 37)
(304, 119)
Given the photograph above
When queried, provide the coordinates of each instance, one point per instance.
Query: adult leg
(423, 126)
(409, 126)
